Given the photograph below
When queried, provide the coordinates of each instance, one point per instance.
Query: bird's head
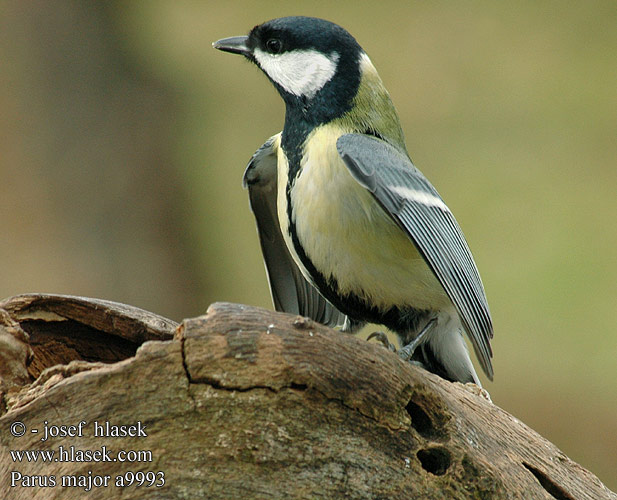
(322, 74)
(314, 64)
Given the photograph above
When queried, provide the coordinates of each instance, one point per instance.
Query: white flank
(299, 72)
(423, 197)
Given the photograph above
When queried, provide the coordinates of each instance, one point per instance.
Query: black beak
(234, 44)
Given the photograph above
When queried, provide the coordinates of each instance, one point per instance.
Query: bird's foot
(406, 352)
(382, 338)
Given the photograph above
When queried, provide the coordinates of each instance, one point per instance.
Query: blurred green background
(124, 137)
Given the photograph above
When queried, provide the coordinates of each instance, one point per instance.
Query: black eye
(274, 46)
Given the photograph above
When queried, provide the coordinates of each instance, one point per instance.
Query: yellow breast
(347, 235)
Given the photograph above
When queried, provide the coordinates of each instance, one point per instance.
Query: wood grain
(248, 403)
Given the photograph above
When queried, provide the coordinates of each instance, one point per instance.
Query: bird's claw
(382, 338)
(406, 352)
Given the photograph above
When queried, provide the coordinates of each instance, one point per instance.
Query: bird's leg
(383, 339)
(406, 352)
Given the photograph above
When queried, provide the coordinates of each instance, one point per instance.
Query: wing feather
(415, 205)
(291, 292)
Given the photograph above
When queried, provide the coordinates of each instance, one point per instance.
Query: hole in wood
(59, 343)
(420, 420)
(435, 460)
(548, 484)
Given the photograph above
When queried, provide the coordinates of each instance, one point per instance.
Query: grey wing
(291, 292)
(414, 204)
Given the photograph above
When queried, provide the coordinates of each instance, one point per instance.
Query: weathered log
(247, 403)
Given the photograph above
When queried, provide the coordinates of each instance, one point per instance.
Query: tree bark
(247, 403)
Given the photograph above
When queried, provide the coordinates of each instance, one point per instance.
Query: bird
(350, 230)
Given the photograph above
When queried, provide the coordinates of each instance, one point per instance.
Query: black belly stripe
(399, 319)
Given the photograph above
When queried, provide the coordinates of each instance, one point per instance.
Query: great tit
(351, 231)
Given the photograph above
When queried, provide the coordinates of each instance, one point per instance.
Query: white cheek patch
(299, 72)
